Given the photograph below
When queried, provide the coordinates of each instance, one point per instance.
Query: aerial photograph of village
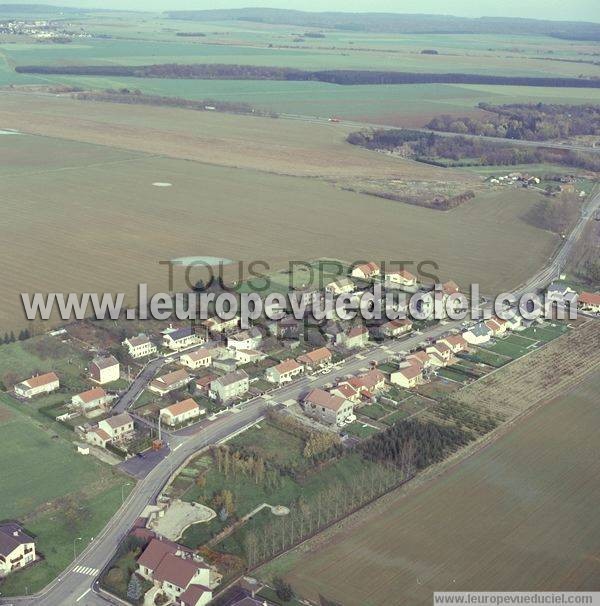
(299, 303)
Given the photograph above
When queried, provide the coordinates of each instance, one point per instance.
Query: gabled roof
(172, 377)
(193, 593)
(479, 330)
(404, 273)
(368, 380)
(232, 377)
(355, 331)
(91, 394)
(412, 371)
(180, 333)
(138, 340)
(105, 362)
(155, 552)
(589, 298)
(316, 355)
(11, 536)
(199, 354)
(367, 268)
(346, 390)
(39, 380)
(181, 407)
(101, 434)
(286, 366)
(119, 420)
(450, 287)
(176, 570)
(319, 397)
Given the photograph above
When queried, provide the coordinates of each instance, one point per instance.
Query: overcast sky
(569, 10)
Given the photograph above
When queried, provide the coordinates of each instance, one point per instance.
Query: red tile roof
(589, 298)
(319, 397)
(176, 570)
(181, 407)
(155, 552)
(39, 380)
(92, 394)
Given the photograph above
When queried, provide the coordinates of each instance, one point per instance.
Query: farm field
(525, 498)
(134, 225)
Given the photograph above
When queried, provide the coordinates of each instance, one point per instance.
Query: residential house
(182, 576)
(589, 301)
(248, 356)
(369, 383)
(558, 291)
(202, 384)
(17, 548)
(328, 408)
(230, 386)
(477, 334)
(177, 339)
(395, 328)
(284, 372)
(196, 359)
(105, 369)
(97, 437)
(421, 357)
(140, 346)
(498, 326)
(170, 382)
(220, 326)
(456, 343)
(440, 354)
(91, 402)
(317, 358)
(408, 376)
(180, 412)
(366, 271)
(400, 279)
(118, 428)
(346, 391)
(37, 384)
(306, 296)
(340, 286)
(246, 339)
(515, 322)
(353, 338)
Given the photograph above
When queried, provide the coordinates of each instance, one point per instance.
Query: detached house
(327, 408)
(440, 354)
(17, 549)
(140, 346)
(181, 338)
(408, 376)
(316, 358)
(170, 382)
(366, 271)
(36, 385)
(456, 343)
(284, 372)
(246, 339)
(92, 401)
(118, 428)
(340, 286)
(180, 412)
(589, 301)
(230, 386)
(346, 391)
(395, 328)
(369, 383)
(400, 279)
(217, 325)
(477, 334)
(105, 369)
(182, 577)
(197, 359)
(355, 337)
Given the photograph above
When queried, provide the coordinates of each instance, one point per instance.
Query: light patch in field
(9, 132)
(204, 261)
(162, 184)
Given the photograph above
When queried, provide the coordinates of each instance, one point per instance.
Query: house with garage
(284, 372)
(17, 548)
(456, 343)
(183, 577)
(105, 369)
(181, 412)
(170, 382)
(200, 358)
(340, 286)
(328, 408)
(366, 271)
(230, 386)
(140, 346)
(91, 402)
(317, 358)
(119, 428)
(177, 339)
(36, 385)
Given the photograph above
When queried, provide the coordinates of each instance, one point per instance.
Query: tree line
(255, 72)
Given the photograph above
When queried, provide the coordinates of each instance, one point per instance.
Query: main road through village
(78, 584)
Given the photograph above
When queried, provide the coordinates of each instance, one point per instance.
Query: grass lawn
(360, 430)
(547, 332)
(512, 347)
(485, 356)
(54, 535)
(453, 375)
(375, 411)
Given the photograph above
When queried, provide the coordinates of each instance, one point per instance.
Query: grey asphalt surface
(73, 588)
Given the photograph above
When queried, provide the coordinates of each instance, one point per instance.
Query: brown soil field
(272, 145)
(519, 514)
(86, 218)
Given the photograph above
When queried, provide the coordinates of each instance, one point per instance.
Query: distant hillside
(36, 9)
(399, 23)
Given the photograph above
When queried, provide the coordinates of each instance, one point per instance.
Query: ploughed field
(519, 515)
(87, 218)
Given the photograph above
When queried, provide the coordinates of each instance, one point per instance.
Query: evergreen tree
(134, 589)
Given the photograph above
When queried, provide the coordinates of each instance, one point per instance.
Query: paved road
(76, 585)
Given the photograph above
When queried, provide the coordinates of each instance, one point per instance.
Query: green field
(528, 497)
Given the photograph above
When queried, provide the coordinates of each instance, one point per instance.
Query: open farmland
(518, 516)
(118, 226)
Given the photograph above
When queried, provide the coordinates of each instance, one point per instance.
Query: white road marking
(177, 447)
(83, 594)
(87, 570)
